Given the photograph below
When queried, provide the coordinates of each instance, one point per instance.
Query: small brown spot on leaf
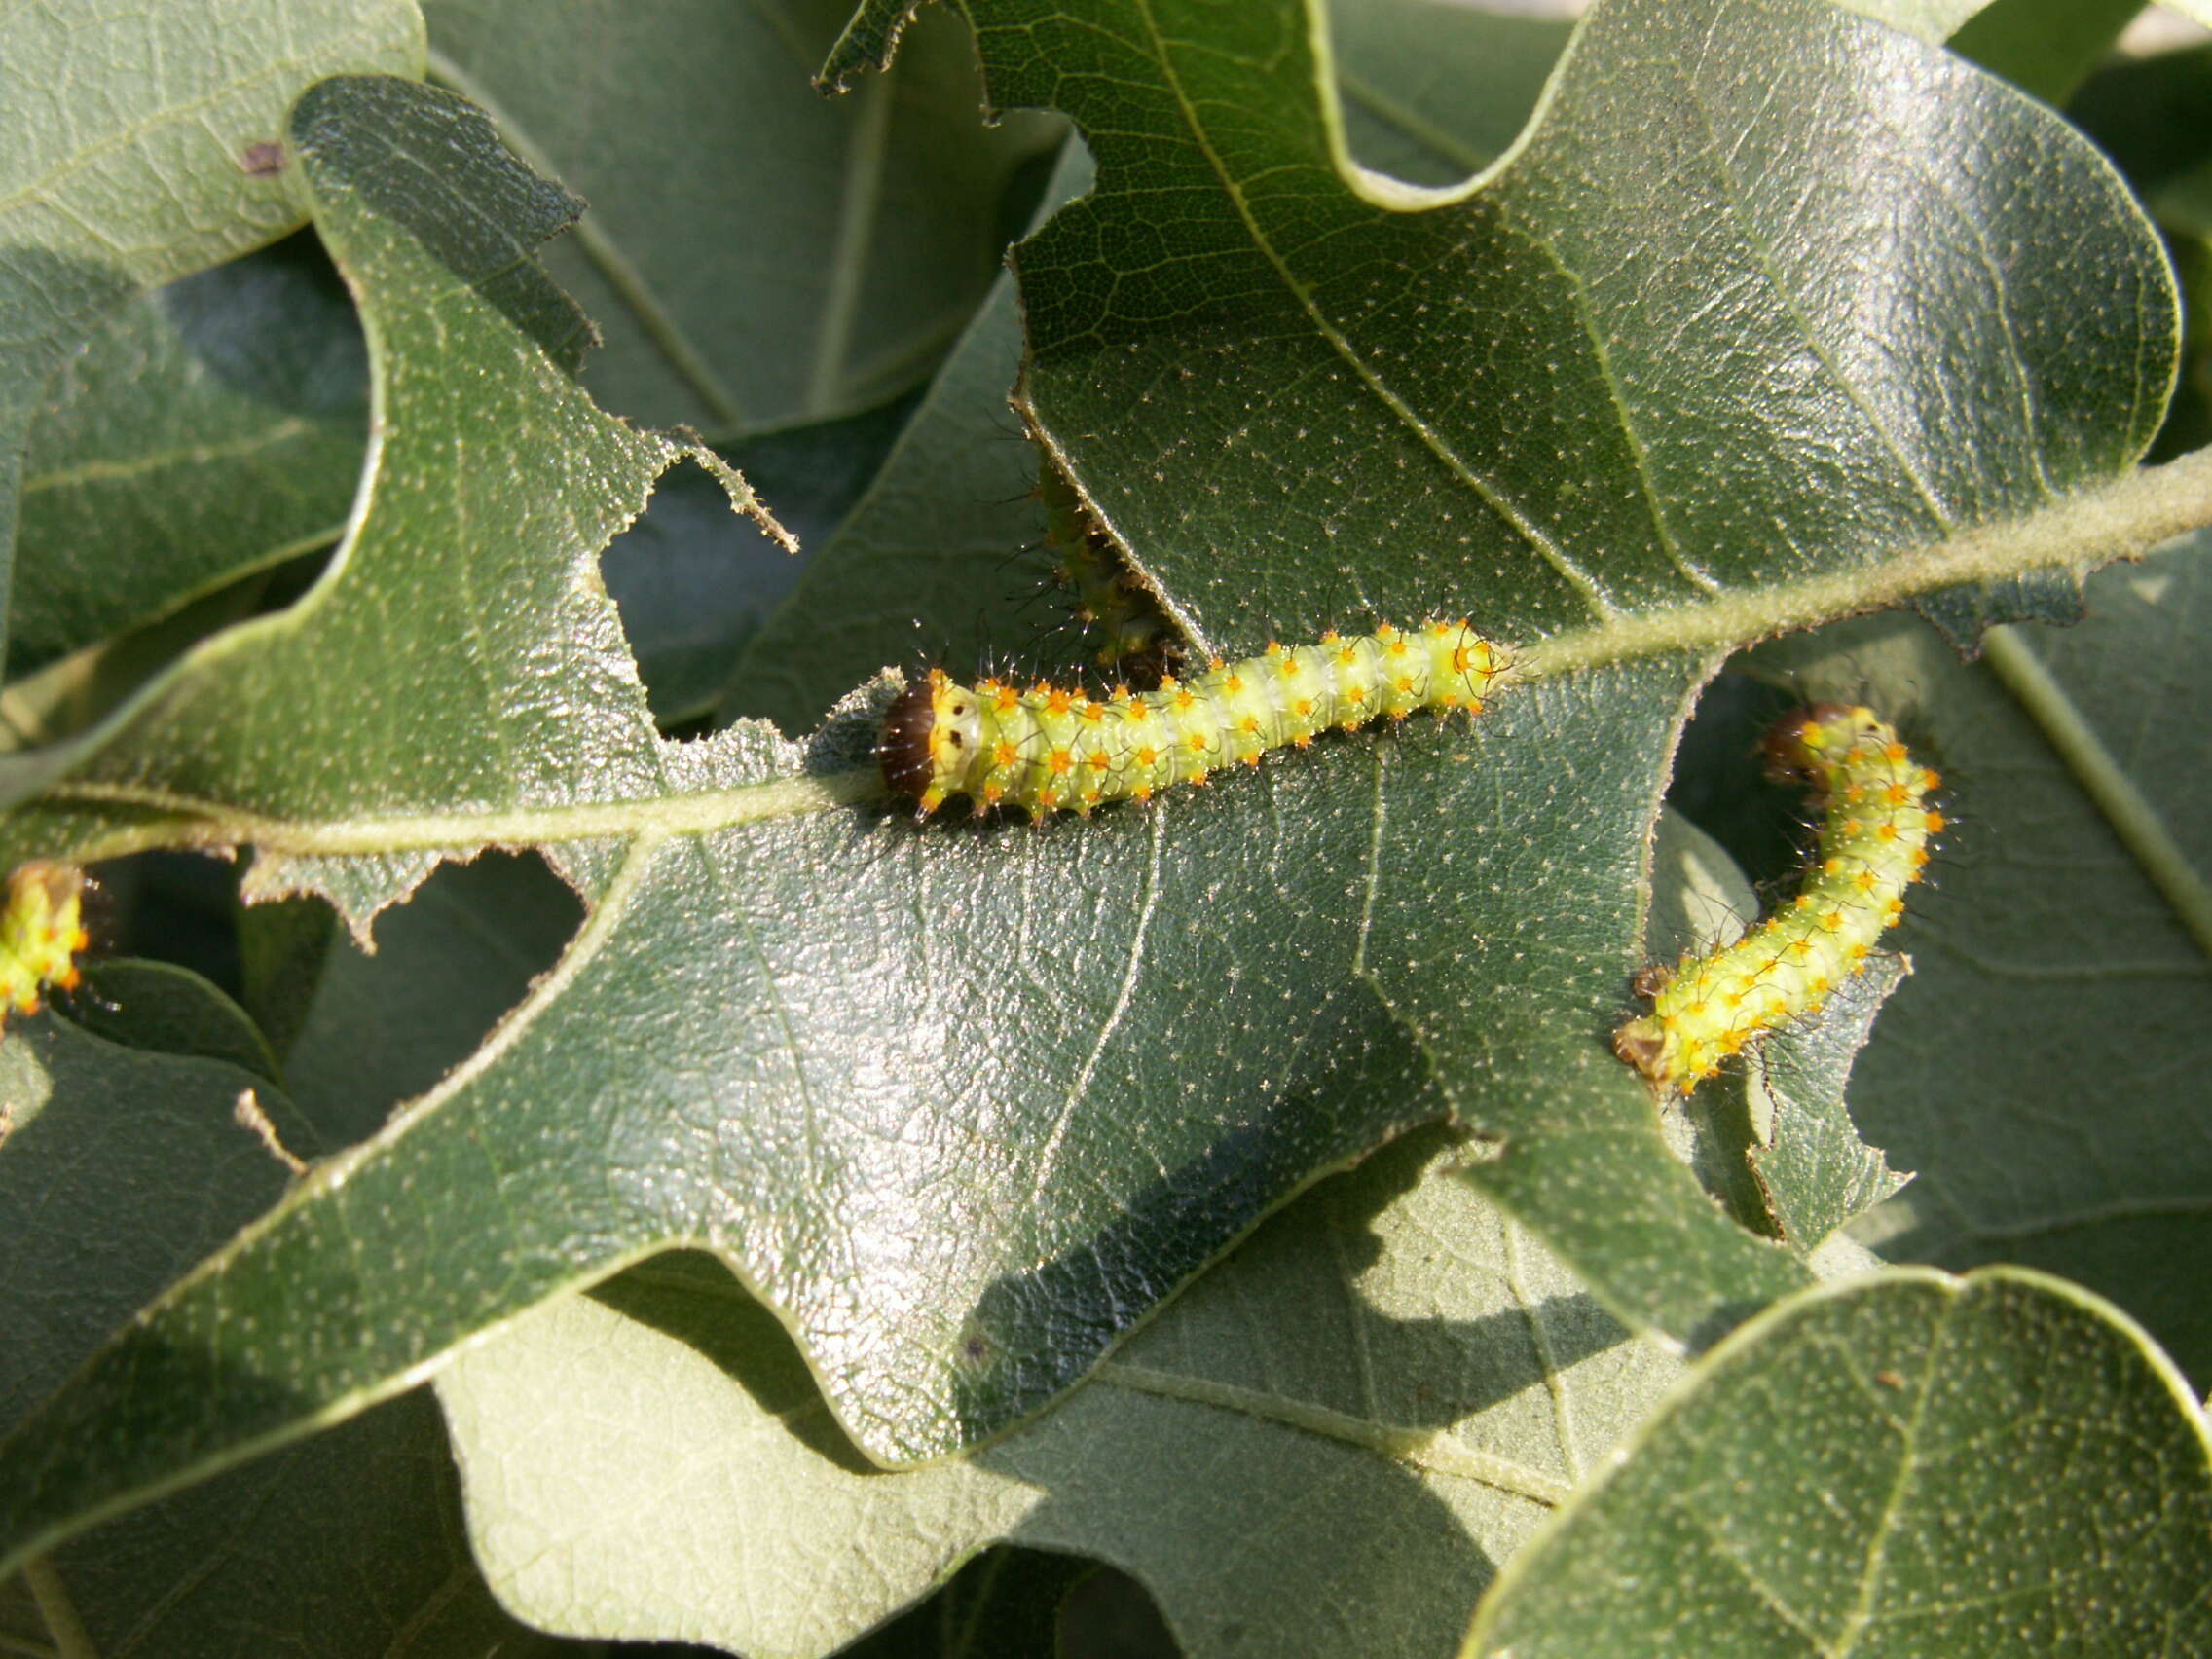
(264, 160)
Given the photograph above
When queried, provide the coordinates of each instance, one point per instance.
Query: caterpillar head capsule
(930, 736)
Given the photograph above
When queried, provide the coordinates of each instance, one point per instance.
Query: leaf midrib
(1486, 490)
(2133, 819)
(1430, 1451)
(2123, 519)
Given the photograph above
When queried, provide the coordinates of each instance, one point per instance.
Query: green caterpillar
(1050, 748)
(41, 931)
(1873, 846)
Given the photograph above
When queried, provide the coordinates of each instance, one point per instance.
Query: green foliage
(774, 1189)
(140, 142)
(1912, 1462)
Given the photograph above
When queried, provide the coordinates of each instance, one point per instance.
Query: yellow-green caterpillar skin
(1873, 845)
(1050, 749)
(41, 931)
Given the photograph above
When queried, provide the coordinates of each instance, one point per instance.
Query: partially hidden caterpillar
(41, 931)
(1873, 845)
(1132, 636)
(1050, 748)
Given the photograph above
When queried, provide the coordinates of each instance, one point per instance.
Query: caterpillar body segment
(42, 930)
(1873, 845)
(1050, 749)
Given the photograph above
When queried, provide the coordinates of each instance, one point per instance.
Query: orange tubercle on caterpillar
(1873, 846)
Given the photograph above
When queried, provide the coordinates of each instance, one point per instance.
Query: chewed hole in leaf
(1433, 94)
(450, 962)
(693, 582)
(176, 907)
(696, 581)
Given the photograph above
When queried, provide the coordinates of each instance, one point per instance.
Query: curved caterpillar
(41, 931)
(1873, 846)
(1050, 749)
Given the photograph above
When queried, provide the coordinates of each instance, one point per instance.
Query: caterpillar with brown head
(41, 931)
(1051, 749)
(1873, 845)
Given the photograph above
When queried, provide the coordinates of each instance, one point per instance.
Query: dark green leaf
(1907, 1465)
(1481, 360)
(96, 1130)
(964, 1104)
(170, 1010)
(125, 1164)
(208, 430)
(351, 1546)
(138, 143)
(284, 949)
(516, 685)
(753, 256)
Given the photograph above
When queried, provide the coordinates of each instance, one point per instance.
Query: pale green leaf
(1909, 1464)
(1390, 1361)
